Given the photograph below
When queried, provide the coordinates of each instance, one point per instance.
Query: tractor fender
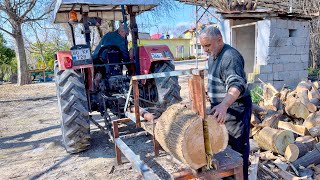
(61, 57)
(148, 55)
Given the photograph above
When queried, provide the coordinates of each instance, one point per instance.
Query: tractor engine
(111, 84)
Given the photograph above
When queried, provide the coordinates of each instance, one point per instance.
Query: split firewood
(315, 131)
(309, 141)
(255, 120)
(316, 84)
(312, 120)
(280, 164)
(273, 139)
(304, 99)
(253, 145)
(303, 85)
(296, 109)
(258, 110)
(254, 159)
(179, 131)
(315, 101)
(312, 157)
(298, 129)
(286, 175)
(273, 103)
(267, 170)
(313, 94)
(296, 150)
(254, 130)
(272, 119)
(283, 94)
(267, 155)
(315, 89)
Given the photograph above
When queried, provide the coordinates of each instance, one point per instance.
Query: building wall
(180, 48)
(283, 51)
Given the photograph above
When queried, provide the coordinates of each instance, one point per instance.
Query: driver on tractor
(116, 38)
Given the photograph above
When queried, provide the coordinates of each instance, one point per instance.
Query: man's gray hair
(210, 32)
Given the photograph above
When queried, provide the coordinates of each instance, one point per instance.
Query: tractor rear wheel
(73, 107)
(168, 88)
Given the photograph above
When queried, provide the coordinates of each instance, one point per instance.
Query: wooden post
(192, 94)
(136, 102)
(199, 93)
(116, 135)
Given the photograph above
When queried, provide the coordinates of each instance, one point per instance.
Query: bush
(256, 94)
(179, 59)
(192, 57)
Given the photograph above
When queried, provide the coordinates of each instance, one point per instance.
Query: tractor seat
(108, 55)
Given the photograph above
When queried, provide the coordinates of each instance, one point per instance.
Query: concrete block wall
(282, 51)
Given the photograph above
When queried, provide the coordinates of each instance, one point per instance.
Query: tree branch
(6, 31)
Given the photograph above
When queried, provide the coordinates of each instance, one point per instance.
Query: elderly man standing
(227, 90)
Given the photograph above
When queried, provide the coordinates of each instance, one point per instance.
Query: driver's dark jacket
(114, 39)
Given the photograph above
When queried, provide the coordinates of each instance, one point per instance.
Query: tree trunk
(273, 139)
(23, 77)
(180, 132)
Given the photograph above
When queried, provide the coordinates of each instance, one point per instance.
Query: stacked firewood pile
(286, 128)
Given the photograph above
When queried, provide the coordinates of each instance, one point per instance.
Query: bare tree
(13, 14)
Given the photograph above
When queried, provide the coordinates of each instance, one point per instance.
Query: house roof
(105, 9)
(295, 8)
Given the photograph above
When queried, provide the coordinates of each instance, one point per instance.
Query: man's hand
(220, 112)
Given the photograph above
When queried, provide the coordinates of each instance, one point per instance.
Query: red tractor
(85, 84)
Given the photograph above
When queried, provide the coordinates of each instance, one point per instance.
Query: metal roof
(197, 2)
(105, 9)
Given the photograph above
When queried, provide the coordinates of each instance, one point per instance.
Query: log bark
(296, 150)
(258, 110)
(308, 140)
(272, 119)
(273, 139)
(315, 131)
(180, 132)
(315, 101)
(311, 157)
(312, 120)
(298, 129)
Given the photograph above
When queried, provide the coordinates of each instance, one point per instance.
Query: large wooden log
(296, 150)
(311, 157)
(180, 132)
(273, 139)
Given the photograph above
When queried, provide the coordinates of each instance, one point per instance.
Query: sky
(163, 20)
(182, 15)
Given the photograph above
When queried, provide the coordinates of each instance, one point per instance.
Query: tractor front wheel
(73, 107)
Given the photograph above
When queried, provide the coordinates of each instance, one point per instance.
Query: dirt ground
(30, 140)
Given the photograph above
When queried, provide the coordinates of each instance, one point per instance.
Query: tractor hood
(105, 9)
